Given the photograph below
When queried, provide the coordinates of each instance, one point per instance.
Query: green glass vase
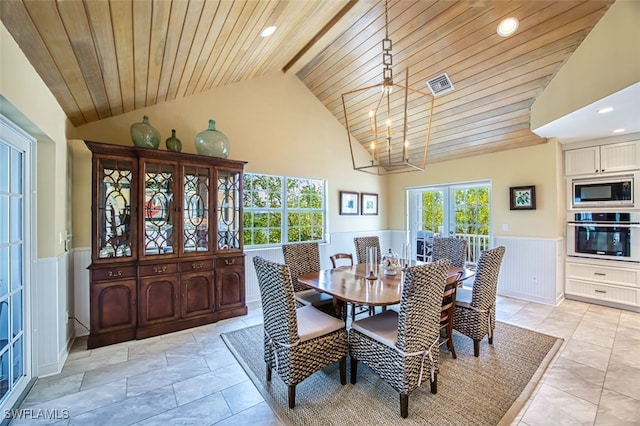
(173, 143)
(212, 142)
(144, 135)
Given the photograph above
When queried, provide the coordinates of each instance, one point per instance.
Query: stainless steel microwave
(602, 192)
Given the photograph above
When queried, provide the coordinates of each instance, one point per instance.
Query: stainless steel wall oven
(604, 235)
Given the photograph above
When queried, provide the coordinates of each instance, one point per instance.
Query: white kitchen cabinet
(597, 282)
(614, 157)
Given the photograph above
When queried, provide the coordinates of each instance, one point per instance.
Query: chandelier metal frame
(385, 136)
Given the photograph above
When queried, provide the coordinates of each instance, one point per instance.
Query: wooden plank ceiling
(102, 58)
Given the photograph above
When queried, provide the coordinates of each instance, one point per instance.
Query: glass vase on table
(371, 265)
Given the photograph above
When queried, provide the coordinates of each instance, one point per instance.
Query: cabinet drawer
(113, 273)
(223, 262)
(602, 274)
(196, 265)
(160, 269)
(625, 295)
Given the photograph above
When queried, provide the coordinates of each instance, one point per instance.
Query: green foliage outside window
(471, 210)
(264, 211)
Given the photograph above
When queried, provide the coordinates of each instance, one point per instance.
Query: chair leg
(343, 370)
(354, 370)
(476, 348)
(268, 371)
(404, 405)
(449, 330)
(491, 340)
(292, 396)
(434, 384)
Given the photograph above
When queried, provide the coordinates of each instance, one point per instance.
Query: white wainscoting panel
(49, 313)
(81, 261)
(532, 269)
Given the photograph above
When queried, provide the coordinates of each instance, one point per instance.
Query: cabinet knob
(160, 269)
(229, 261)
(115, 273)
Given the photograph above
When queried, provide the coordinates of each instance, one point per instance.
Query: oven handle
(605, 225)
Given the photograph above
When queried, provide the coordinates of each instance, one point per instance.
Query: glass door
(158, 210)
(15, 343)
(452, 210)
(228, 210)
(196, 195)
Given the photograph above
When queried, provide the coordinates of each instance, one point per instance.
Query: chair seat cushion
(313, 323)
(463, 297)
(381, 327)
(312, 297)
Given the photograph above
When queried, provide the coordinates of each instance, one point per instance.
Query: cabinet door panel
(582, 161)
(159, 230)
(113, 306)
(230, 287)
(197, 294)
(196, 197)
(158, 299)
(620, 156)
(114, 197)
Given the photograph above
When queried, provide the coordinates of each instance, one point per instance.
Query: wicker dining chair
(403, 347)
(356, 308)
(475, 314)
(336, 258)
(362, 243)
(297, 342)
(302, 258)
(452, 248)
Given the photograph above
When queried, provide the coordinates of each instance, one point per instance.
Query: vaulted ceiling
(102, 58)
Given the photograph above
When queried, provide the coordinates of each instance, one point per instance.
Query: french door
(15, 247)
(462, 210)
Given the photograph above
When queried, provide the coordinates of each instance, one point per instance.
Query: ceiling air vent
(440, 85)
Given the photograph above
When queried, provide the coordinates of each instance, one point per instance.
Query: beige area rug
(488, 390)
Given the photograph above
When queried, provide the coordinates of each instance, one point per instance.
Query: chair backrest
(335, 257)
(301, 258)
(278, 302)
(452, 248)
(420, 306)
(449, 297)
(362, 243)
(486, 279)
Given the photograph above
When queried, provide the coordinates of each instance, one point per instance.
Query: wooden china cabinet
(166, 242)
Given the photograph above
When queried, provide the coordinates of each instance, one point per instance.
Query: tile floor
(190, 378)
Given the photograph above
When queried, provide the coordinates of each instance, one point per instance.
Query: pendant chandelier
(391, 121)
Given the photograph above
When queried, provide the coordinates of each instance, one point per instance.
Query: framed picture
(369, 203)
(348, 202)
(523, 197)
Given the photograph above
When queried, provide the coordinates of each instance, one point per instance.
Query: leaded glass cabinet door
(196, 234)
(229, 210)
(115, 219)
(159, 228)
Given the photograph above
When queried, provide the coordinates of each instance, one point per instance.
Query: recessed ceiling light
(268, 31)
(619, 130)
(605, 110)
(508, 26)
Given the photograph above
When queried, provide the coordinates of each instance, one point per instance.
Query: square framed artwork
(522, 197)
(369, 203)
(348, 203)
